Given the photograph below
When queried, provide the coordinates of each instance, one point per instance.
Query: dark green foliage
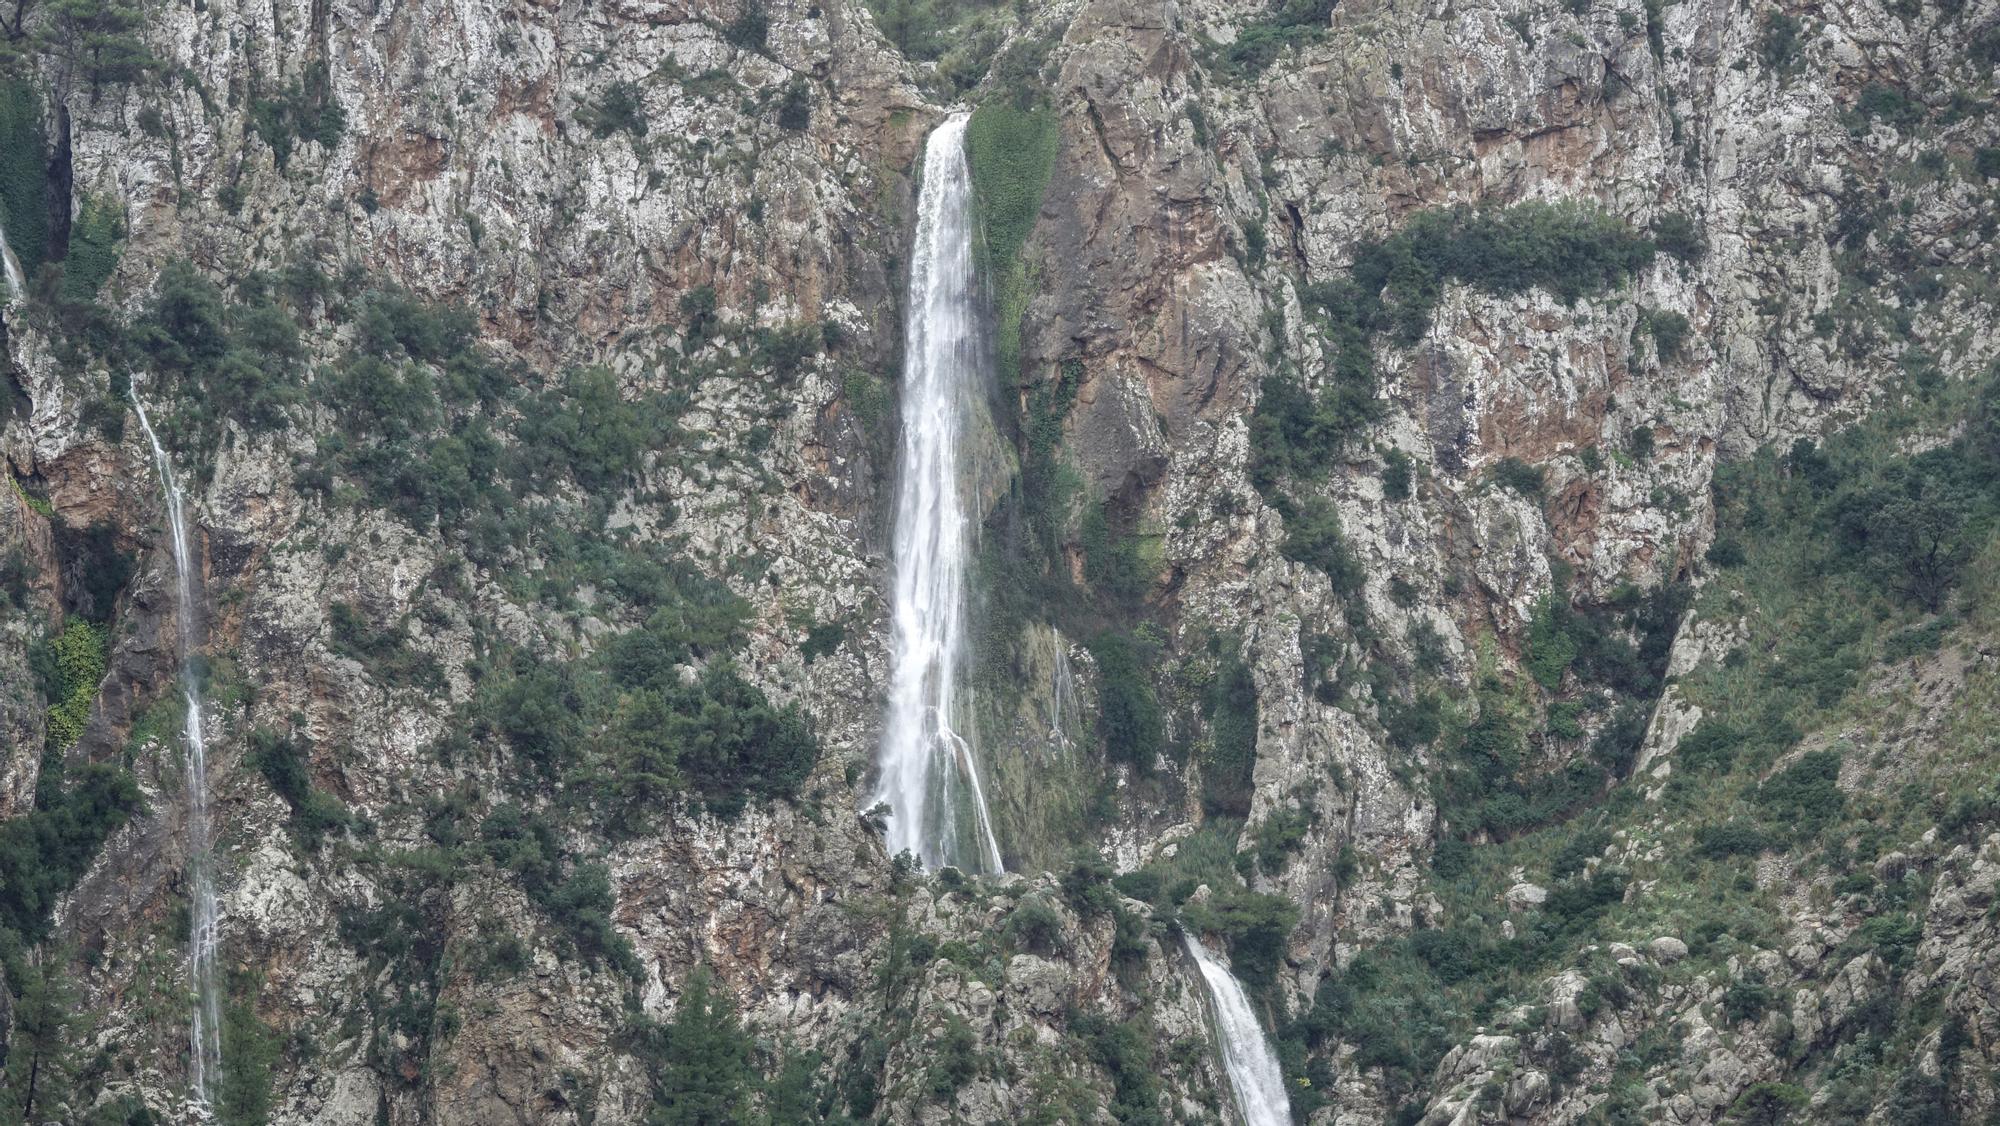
(1669, 331)
(1709, 749)
(1129, 719)
(575, 897)
(1253, 925)
(1768, 1104)
(1113, 563)
(1258, 43)
(285, 762)
(795, 107)
(24, 157)
(1011, 148)
(1396, 475)
(185, 334)
(1677, 235)
(1518, 475)
(1034, 926)
(386, 651)
(244, 1097)
(1313, 536)
(93, 249)
(1778, 46)
(45, 851)
(1806, 795)
(1552, 642)
(1747, 999)
(303, 111)
(822, 640)
(1730, 838)
(701, 1062)
(1583, 846)
(1121, 1048)
(621, 109)
(953, 1053)
(1888, 104)
(751, 29)
(1231, 758)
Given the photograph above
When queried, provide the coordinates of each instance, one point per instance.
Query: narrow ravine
(1254, 1074)
(930, 771)
(204, 930)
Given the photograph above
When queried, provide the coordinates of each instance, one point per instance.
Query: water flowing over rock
(1246, 1052)
(204, 923)
(17, 286)
(930, 771)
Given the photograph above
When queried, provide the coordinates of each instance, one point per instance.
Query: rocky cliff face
(1422, 590)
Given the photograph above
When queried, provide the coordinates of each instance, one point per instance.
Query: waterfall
(930, 773)
(17, 286)
(1246, 1055)
(1065, 712)
(204, 930)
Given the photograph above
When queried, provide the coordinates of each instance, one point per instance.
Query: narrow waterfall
(204, 929)
(1065, 711)
(930, 773)
(17, 286)
(1246, 1054)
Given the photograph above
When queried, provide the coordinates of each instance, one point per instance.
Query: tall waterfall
(930, 773)
(204, 930)
(1246, 1055)
(17, 286)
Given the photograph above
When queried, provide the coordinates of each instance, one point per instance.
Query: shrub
(751, 29)
(1669, 331)
(1747, 999)
(1806, 795)
(1778, 46)
(700, 1064)
(1034, 926)
(1396, 475)
(1730, 838)
(1129, 719)
(1676, 234)
(1231, 760)
(1313, 536)
(78, 661)
(1518, 475)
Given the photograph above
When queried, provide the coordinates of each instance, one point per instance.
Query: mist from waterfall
(1253, 1068)
(930, 772)
(204, 931)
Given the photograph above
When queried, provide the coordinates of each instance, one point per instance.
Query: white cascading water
(1065, 711)
(204, 930)
(930, 773)
(17, 286)
(1246, 1053)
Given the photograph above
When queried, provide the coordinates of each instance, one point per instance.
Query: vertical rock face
(463, 572)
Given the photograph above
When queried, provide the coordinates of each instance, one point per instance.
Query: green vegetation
(303, 111)
(24, 158)
(285, 762)
(702, 1062)
(76, 661)
(1012, 150)
(1291, 23)
(1129, 718)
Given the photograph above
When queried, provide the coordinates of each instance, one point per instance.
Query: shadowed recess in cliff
(930, 773)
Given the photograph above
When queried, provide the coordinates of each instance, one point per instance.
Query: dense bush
(1011, 149)
(45, 851)
(1231, 757)
(701, 1064)
(76, 658)
(1129, 719)
(285, 762)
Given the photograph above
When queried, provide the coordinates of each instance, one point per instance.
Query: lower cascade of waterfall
(204, 931)
(1254, 1074)
(17, 286)
(930, 769)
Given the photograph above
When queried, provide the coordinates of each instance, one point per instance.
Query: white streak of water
(1065, 712)
(17, 286)
(204, 931)
(930, 773)
(1246, 1055)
